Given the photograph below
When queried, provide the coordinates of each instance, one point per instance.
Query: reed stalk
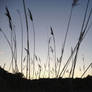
(34, 55)
(28, 52)
(52, 33)
(21, 40)
(86, 70)
(78, 44)
(48, 62)
(63, 48)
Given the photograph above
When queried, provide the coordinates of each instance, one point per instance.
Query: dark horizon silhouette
(16, 83)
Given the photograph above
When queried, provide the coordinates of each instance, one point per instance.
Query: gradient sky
(47, 13)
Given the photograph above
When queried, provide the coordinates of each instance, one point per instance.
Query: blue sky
(47, 13)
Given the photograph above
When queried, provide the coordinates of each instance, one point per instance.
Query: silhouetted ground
(15, 83)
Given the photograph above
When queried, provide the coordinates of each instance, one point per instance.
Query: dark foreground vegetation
(15, 83)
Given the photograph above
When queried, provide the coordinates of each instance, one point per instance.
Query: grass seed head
(30, 15)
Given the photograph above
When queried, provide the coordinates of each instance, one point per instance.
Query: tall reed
(34, 55)
(13, 39)
(21, 40)
(10, 25)
(76, 49)
(49, 57)
(86, 70)
(9, 43)
(28, 52)
(52, 33)
(63, 48)
(81, 36)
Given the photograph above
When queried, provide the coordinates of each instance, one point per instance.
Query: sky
(46, 13)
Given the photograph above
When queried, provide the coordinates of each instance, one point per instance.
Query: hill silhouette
(16, 83)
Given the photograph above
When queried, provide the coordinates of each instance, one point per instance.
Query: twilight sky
(47, 13)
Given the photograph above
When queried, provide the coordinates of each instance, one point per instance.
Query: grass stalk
(86, 70)
(31, 18)
(7, 40)
(48, 62)
(52, 33)
(28, 53)
(10, 25)
(78, 44)
(21, 40)
(62, 50)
